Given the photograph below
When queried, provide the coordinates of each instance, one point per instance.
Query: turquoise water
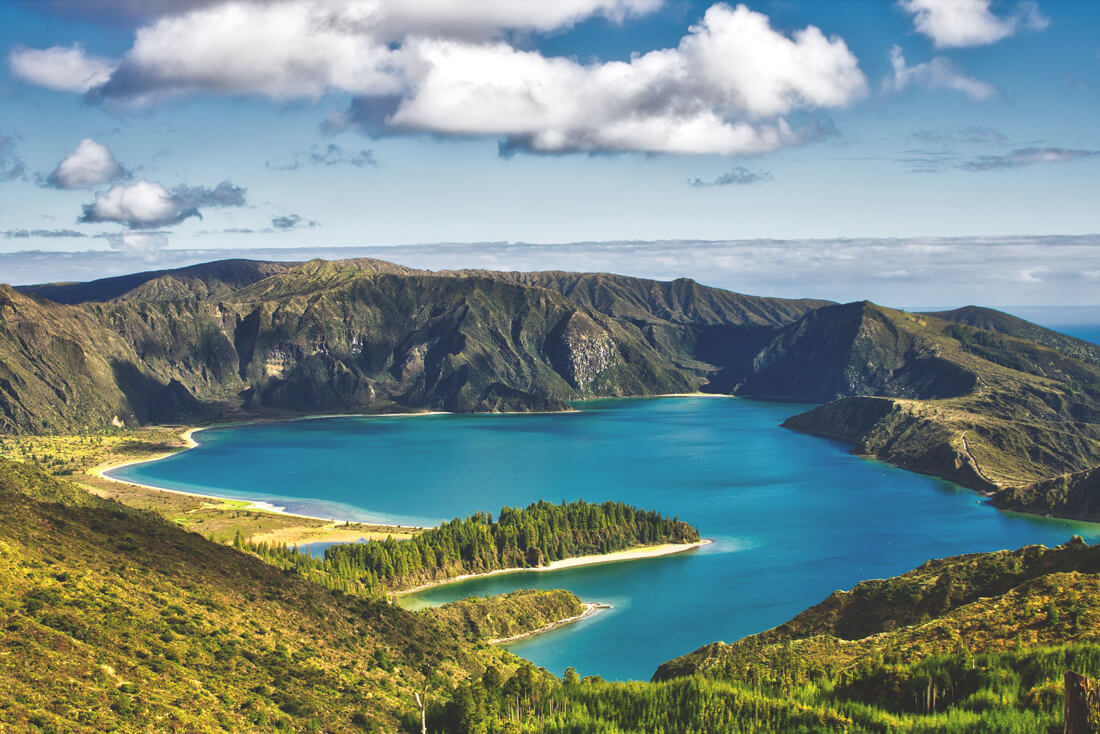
(793, 517)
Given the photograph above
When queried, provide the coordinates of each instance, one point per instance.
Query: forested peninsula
(519, 538)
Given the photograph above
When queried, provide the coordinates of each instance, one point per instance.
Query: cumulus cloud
(961, 23)
(444, 67)
(1026, 157)
(11, 165)
(330, 155)
(145, 204)
(939, 73)
(90, 165)
(305, 48)
(739, 176)
(291, 221)
(724, 89)
(60, 68)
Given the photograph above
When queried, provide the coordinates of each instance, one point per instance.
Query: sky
(930, 152)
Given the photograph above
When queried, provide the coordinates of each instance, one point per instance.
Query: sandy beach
(632, 554)
(310, 535)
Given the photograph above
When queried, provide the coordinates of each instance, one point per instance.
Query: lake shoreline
(590, 609)
(630, 554)
(101, 471)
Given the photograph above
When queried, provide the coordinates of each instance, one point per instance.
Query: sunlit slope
(116, 618)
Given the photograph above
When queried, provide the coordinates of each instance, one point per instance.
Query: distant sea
(793, 517)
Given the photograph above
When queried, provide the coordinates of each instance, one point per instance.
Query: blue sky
(221, 126)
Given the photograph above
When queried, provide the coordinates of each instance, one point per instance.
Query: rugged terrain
(973, 395)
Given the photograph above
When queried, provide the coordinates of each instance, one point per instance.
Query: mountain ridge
(997, 409)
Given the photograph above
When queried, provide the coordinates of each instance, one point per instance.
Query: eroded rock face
(581, 350)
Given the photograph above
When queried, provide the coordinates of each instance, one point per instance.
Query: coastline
(631, 554)
(100, 471)
(590, 608)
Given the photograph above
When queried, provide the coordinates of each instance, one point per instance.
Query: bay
(793, 517)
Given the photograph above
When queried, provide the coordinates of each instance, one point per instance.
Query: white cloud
(145, 204)
(60, 68)
(140, 204)
(305, 48)
(279, 50)
(939, 73)
(440, 66)
(722, 90)
(961, 23)
(448, 18)
(91, 164)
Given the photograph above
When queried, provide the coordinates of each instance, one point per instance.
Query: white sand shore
(590, 608)
(633, 554)
(254, 505)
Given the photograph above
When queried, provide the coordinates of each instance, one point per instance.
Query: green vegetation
(520, 538)
(78, 457)
(1014, 692)
(976, 643)
(508, 615)
(116, 620)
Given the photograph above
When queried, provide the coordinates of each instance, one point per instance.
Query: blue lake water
(793, 517)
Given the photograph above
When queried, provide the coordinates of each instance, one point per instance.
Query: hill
(240, 337)
(973, 395)
(118, 620)
(1003, 323)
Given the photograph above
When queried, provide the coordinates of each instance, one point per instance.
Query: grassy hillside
(1003, 323)
(976, 643)
(117, 620)
(993, 412)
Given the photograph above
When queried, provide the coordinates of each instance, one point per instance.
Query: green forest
(531, 537)
(1009, 692)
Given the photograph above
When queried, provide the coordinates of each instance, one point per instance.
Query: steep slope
(61, 370)
(853, 349)
(986, 410)
(116, 619)
(1075, 495)
(992, 409)
(680, 301)
(351, 336)
(244, 338)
